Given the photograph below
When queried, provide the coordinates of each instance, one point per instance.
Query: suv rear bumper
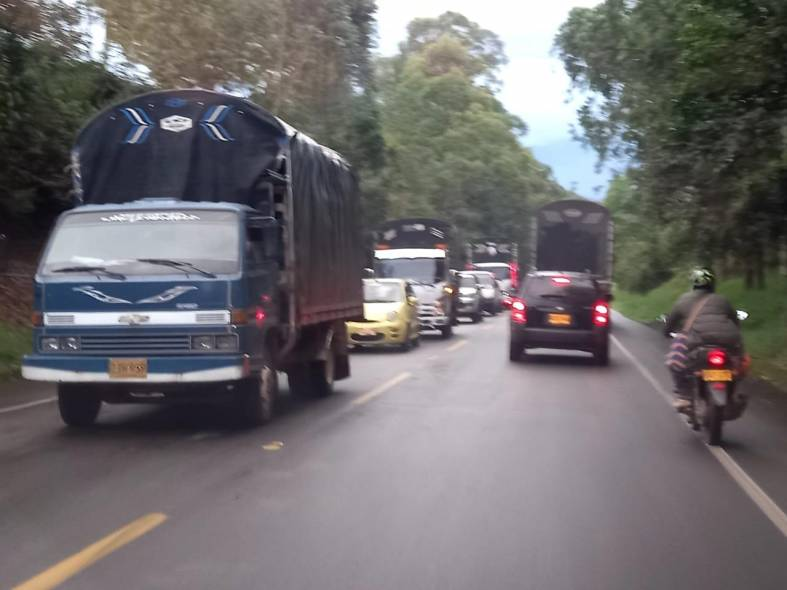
(586, 340)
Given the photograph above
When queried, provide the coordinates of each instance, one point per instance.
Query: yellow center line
(456, 346)
(71, 566)
(381, 389)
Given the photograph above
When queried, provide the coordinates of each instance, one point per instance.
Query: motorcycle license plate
(716, 375)
(559, 319)
(128, 368)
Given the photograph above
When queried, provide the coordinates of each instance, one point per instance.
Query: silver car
(491, 296)
(469, 302)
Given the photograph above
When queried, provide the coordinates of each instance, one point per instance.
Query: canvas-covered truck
(500, 257)
(211, 247)
(573, 236)
(417, 249)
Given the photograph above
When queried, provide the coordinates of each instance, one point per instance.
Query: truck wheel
(478, 317)
(257, 398)
(447, 331)
(79, 406)
(313, 379)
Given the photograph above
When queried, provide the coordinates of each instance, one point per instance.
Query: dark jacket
(717, 323)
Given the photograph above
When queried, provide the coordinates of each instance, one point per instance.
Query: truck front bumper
(173, 369)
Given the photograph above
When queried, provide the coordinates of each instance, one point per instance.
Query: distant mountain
(574, 167)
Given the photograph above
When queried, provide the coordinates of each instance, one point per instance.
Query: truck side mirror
(265, 231)
(367, 273)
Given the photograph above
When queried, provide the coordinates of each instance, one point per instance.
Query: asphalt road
(444, 468)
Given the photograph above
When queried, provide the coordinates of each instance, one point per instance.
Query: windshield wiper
(179, 264)
(99, 270)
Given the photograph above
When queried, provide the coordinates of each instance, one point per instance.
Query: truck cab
(136, 302)
(417, 250)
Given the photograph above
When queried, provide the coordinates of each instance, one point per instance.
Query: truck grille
(426, 310)
(136, 344)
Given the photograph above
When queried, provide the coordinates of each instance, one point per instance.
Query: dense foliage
(695, 93)
(48, 88)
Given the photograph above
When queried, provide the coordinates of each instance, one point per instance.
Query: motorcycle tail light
(717, 357)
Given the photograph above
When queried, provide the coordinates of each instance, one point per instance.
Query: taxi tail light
(717, 357)
(600, 314)
(518, 311)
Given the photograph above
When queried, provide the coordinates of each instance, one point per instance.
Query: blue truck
(212, 247)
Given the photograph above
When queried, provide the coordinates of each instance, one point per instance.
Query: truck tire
(256, 402)
(313, 379)
(79, 406)
(478, 317)
(447, 331)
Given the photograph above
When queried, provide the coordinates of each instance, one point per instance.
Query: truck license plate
(128, 368)
(559, 319)
(716, 375)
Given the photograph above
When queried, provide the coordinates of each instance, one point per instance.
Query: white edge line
(381, 389)
(39, 402)
(757, 495)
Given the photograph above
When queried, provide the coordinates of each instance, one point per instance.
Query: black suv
(562, 310)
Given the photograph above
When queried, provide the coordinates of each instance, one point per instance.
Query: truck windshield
(422, 270)
(126, 242)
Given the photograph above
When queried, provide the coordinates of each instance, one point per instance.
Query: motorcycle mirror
(742, 315)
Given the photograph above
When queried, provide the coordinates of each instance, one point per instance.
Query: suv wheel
(515, 351)
(601, 353)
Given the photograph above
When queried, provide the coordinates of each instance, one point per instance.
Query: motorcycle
(716, 399)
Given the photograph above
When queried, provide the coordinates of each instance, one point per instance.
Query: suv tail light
(601, 314)
(518, 311)
(717, 357)
(513, 269)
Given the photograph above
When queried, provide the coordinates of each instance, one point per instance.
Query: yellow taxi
(390, 315)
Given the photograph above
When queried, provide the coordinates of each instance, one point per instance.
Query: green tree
(453, 150)
(694, 92)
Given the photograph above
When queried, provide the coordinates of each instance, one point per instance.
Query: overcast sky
(535, 87)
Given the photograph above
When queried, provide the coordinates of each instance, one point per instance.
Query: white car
(502, 272)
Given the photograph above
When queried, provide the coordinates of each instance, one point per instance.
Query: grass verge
(14, 344)
(764, 332)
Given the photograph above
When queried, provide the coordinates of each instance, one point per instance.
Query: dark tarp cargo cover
(573, 235)
(196, 145)
(414, 232)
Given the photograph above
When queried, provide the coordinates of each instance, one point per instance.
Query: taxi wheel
(79, 406)
(407, 343)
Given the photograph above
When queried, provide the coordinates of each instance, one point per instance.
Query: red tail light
(514, 270)
(717, 358)
(518, 311)
(259, 316)
(600, 314)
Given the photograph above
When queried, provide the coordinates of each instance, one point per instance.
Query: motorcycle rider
(715, 323)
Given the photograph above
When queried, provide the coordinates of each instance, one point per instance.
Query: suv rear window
(486, 280)
(578, 290)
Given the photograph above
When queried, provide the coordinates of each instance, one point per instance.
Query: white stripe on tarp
(136, 116)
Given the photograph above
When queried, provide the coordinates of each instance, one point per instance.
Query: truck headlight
(50, 345)
(202, 343)
(227, 342)
(70, 344)
(392, 316)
